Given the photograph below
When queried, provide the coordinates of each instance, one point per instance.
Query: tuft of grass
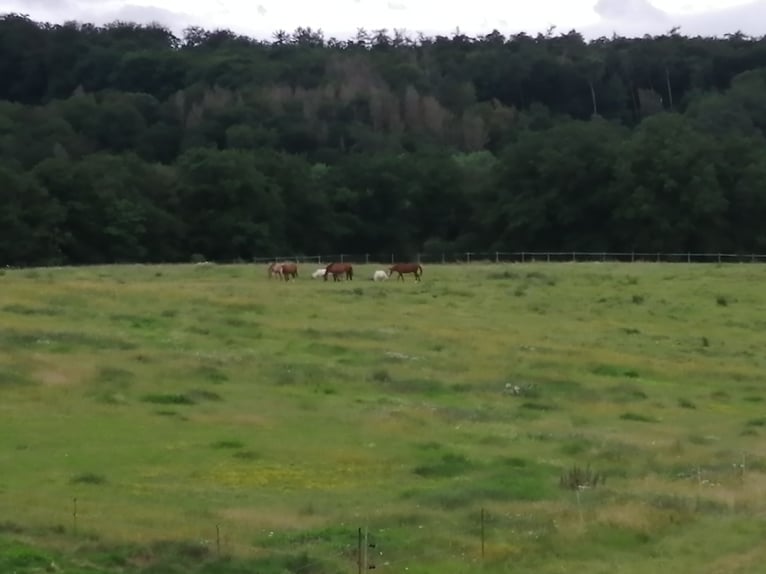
(638, 417)
(168, 399)
(228, 444)
(88, 478)
(578, 478)
(447, 466)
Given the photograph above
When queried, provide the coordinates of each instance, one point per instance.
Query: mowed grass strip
(169, 400)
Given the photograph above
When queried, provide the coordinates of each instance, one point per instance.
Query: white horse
(379, 275)
(318, 273)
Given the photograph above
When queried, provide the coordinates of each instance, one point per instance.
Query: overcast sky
(341, 18)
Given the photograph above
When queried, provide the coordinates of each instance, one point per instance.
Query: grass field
(172, 401)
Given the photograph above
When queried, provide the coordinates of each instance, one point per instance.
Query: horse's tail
(420, 269)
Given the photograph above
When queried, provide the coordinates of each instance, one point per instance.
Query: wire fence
(520, 257)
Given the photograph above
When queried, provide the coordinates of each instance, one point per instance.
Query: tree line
(125, 143)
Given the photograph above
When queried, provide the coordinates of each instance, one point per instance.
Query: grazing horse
(275, 269)
(289, 270)
(401, 268)
(337, 269)
(379, 275)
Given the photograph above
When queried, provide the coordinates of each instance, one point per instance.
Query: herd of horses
(339, 271)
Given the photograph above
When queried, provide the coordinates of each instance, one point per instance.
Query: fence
(522, 257)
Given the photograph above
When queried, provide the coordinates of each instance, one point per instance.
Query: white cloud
(343, 17)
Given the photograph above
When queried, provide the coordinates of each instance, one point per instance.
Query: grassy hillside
(172, 400)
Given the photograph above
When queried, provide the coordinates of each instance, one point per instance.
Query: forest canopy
(125, 143)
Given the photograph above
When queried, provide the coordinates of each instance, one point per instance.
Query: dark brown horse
(401, 268)
(337, 269)
(289, 270)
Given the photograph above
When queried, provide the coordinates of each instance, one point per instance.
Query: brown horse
(337, 269)
(289, 270)
(401, 268)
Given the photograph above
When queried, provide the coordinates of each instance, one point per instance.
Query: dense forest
(126, 143)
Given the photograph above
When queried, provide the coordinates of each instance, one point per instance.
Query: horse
(337, 269)
(379, 275)
(275, 269)
(318, 273)
(289, 270)
(415, 268)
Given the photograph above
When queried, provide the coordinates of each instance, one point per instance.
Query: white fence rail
(520, 257)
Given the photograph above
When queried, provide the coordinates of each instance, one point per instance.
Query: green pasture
(208, 419)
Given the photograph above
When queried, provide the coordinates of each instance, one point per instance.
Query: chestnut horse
(337, 269)
(289, 270)
(401, 268)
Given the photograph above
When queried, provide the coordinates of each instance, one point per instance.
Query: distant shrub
(686, 404)
(722, 300)
(637, 299)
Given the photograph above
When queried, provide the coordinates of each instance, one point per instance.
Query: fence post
(574, 259)
(359, 551)
(341, 257)
(632, 256)
(367, 258)
(719, 258)
(468, 256)
(523, 257)
(392, 259)
(443, 259)
(497, 257)
(688, 257)
(482, 533)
